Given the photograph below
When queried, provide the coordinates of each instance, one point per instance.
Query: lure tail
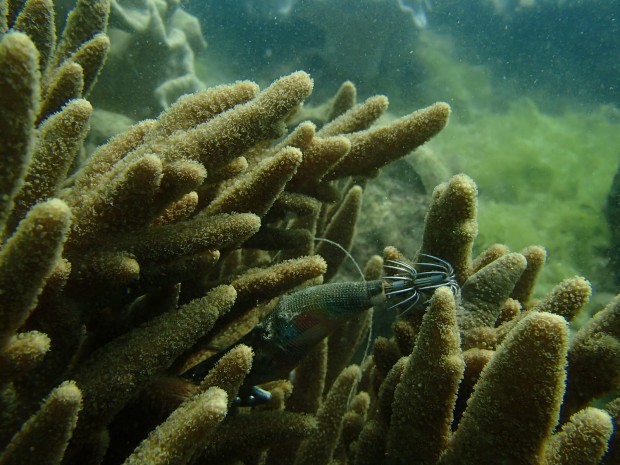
(408, 285)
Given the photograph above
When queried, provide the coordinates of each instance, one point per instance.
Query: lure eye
(251, 397)
(407, 285)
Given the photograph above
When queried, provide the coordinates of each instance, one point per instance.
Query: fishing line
(348, 254)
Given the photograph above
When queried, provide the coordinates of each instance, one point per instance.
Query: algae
(543, 167)
(543, 178)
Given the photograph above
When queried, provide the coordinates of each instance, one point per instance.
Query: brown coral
(125, 268)
(179, 235)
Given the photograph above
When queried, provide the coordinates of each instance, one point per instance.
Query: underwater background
(534, 86)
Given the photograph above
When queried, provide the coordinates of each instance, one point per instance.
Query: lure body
(302, 319)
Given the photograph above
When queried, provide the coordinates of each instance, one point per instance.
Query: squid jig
(410, 285)
(302, 319)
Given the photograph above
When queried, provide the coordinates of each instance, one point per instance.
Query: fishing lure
(410, 285)
(303, 319)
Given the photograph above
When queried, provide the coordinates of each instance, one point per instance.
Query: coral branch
(517, 399)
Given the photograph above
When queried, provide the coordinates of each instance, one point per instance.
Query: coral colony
(122, 271)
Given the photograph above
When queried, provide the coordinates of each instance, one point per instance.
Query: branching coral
(121, 272)
(485, 370)
(471, 374)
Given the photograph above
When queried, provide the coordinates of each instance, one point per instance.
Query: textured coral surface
(145, 288)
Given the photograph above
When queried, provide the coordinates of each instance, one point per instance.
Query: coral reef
(458, 383)
(121, 272)
(151, 59)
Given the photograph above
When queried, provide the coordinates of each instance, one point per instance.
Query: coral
(340, 229)
(44, 437)
(420, 430)
(184, 431)
(230, 371)
(517, 396)
(28, 259)
(36, 83)
(320, 447)
(594, 368)
(131, 266)
(472, 374)
(123, 272)
(151, 59)
(583, 438)
(451, 224)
